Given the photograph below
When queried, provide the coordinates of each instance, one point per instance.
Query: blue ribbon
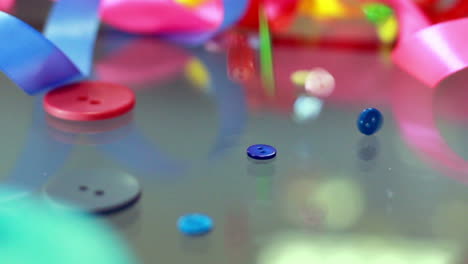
(73, 27)
(37, 62)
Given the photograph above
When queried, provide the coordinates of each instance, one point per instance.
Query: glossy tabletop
(331, 195)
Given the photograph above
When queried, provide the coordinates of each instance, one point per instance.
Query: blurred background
(332, 195)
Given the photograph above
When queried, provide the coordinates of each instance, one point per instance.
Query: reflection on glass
(128, 221)
(195, 245)
(197, 74)
(141, 61)
(7, 5)
(263, 171)
(413, 106)
(237, 234)
(368, 148)
(89, 133)
(367, 151)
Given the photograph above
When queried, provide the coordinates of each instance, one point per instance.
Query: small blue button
(261, 152)
(370, 121)
(195, 224)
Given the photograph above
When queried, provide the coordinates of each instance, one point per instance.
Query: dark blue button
(370, 121)
(195, 224)
(261, 152)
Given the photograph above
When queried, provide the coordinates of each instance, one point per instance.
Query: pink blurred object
(142, 61)
(7, 5)
(415, 116)
(160, 16)
(319, 82)
(429, 53)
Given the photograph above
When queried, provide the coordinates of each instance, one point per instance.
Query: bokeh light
(323, 9)
(377, 13)
(388, 30)
(319, 82)
(307, 108)
(298, 78)
(449, 217)
(197, 74)
(342, 200)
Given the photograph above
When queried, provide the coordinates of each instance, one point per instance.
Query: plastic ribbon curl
(63, 54)
(37, 62)
(7, 5)
(428, 52)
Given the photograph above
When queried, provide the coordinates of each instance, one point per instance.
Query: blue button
(261, 152)
(195, 224)
(370, 121)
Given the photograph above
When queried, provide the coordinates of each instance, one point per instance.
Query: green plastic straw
(266, 56)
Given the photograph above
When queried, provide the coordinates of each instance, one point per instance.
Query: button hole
(99, 193)
(83, 188)
(82, 98)
(259, 148)
(263, 152)
(95, 102)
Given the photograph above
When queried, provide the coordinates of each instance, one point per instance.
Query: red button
(87, 101)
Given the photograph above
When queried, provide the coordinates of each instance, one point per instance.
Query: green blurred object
(377, 13)
(33, 232)
(266, 54)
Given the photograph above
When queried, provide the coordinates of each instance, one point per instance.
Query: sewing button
(87, 101)
(369, 121)
(195, 224)
(261, 152)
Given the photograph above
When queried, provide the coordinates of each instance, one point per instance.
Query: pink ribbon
(7, 5)
(170, 17)
(429, 53)
(161, 16)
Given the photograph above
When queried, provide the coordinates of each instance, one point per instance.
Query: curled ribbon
(37, 62)
(429, 52)
(63, 54)
(7, 5)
